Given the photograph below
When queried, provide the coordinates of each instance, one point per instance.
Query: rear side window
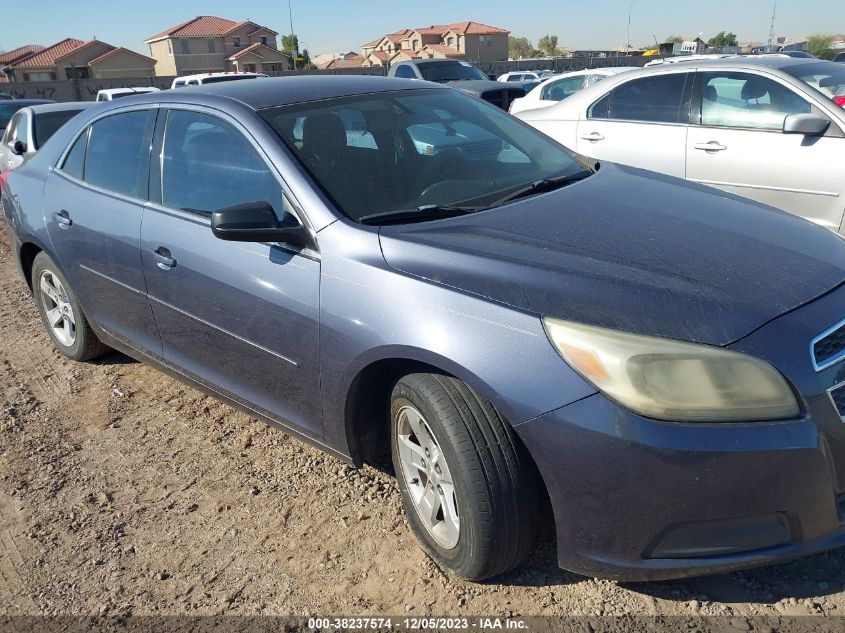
(118, 155)
(656, 99)
(405, 72)
(209, 164)
(47, 123)
(74, 164)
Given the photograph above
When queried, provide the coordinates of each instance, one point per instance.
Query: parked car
(31, 127)
(559, 87)
(795, 54)
(767, 127)
(460, 75)
(8, 109)
(5, 96)
(839, 58)
(519, 77)
(663, 361)
(212, 78)
(110, 94)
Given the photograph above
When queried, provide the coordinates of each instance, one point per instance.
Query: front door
(94, 204)
(740, 147)
(240, 317)
(642, 122)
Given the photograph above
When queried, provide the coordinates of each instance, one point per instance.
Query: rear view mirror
(19, 148)
(806, 124)
(257, 222)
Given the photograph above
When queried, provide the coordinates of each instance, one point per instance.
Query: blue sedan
(659, 360)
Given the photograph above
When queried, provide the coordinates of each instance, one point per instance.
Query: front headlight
(670, 380)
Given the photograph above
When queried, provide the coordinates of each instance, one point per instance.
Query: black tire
(86, 345)
(494, 481)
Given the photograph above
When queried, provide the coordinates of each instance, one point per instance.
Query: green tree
(290, 43)
(520, 47)
(723, 39)
(674, 39)
(548, 45)
(820, 46)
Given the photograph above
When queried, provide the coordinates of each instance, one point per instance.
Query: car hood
(479, 86)
(630, 250)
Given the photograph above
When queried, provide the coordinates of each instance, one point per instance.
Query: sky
(340, 25)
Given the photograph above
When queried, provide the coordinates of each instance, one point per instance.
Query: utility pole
(293, 40)
(628, 44)
(772, 28)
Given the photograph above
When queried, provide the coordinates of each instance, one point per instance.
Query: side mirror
(806, 124)
(257, 222)
(19, 148)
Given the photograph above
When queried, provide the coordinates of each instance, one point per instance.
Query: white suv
(771, 128)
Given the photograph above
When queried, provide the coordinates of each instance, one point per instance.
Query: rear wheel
(467, 483)
(60, 312)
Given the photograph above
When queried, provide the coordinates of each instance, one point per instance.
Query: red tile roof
(11, 56)
(382, 55)
(120, 49)
(475, 28)
(203, 26)
(372, 44)
(354, 62)
(84, 45)
(448, 51)
(253, 48)
(434, 29)
(49, 55)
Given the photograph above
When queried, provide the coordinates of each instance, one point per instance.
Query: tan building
(10, 57)
(73, 58)
(208, 44)
(472, 41)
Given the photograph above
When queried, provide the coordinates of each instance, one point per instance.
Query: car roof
(281, 91)
(27, 102)
(114, 91)
(778, 60)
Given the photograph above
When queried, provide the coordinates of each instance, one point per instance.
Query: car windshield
(826, 77)
(7, 111)
(450, 71)
(403, 151)
(47, 123)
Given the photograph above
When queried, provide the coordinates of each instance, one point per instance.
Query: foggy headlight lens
(670, 380)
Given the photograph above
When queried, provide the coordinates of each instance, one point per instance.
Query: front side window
(118, 153)
(745, 100)
(560, 90)
(208, 165)
(654, 99)
(400, 151)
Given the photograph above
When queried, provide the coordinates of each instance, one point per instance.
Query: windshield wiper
(541, 186)
(420, 214)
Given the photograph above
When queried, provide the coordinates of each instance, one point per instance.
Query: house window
(77, 72)
(264, 40)
(44, 76)
(416, 44)
(184, 44)
(169, 47)
(212, 46)
(237, 41)
(450, 41)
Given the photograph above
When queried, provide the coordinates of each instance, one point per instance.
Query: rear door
(642, 122)
(240, 317)
(737, 144)
(93, 206)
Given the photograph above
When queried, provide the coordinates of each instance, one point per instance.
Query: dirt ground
(125, 492)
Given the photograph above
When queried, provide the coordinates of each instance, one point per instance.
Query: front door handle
(593, 137)
(712, 146)
(63, 219)
(163, 258)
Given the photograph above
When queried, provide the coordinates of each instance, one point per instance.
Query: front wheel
(467, 484)
(60, 312)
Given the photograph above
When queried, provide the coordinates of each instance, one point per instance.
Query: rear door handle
(63, 219)
(712, 146)
(163, 258)
(593, 137)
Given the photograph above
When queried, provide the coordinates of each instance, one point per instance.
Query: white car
(559, 87)
(770, 128)
(519, 77)
(110, 94)
(30, 128)
(212, 78)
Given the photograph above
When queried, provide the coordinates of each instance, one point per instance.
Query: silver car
(30, 128)
(769, 128)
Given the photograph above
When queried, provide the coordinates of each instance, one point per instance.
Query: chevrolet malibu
(660, 360)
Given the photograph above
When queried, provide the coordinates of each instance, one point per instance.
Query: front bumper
(639, 499)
